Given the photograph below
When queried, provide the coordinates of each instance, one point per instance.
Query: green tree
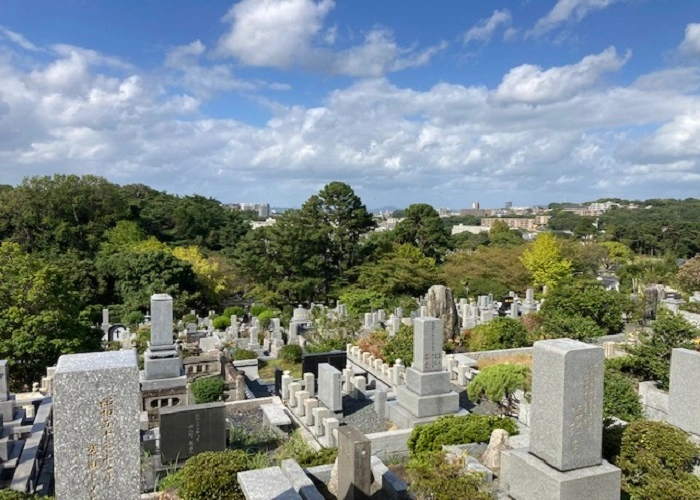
(400, 346)
(423, 228)
(404, 271)
(558, 324)
(41, 316)
(616, 253)
(689, 275)
(544, 260)
(499, 333)
(500, 235)
(620, 397)
(498, 384)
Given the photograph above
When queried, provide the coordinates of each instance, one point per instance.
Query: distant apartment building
(463, 228)
(528, 224)
(508, 205)
(475, 205)
(255, 224)
(261, 209)
(478, 212)
(592, 210)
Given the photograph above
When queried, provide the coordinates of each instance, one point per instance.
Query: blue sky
(444, 102)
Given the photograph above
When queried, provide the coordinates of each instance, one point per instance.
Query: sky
(408, 101)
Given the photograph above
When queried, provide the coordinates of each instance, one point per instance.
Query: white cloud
(483, 30)
(540, 130)
(691, 43)
(531, 84)
(567, 11)
(18, 39)
(287, 33)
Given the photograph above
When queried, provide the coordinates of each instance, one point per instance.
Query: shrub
(374, 343)
(557, 324)
(471, 428)
(234, 311)
(326, 345)
(189, 318)
(221, 323)
(133, 318)
(400, 346)
(257, 309)
(143, 337)
(693, 307)
(498, 384)
(297, 448)
(620, 397)
(240, 354)
(251, 440)
(291, 353)
(435, 479)
(266, 316)
(209, 475)
(689, 275)
(208, 390)
(499, 333)
(657, 459)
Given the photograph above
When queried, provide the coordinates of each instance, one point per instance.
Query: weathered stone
(498, 443)
(301, 483)
(441, 304)
(264, 484)
(354, 464)
(96, 426)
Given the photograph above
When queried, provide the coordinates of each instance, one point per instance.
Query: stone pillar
(354, 464)
(309, 406)
(330, 427)
(294, 387)
(96, 426)
(329, 387)
(380, 403)
(286, 380)
(684, 391)
(310, 383)
(348, 374)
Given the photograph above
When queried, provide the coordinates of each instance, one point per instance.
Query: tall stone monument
(163, 382)
(564, 460)
(428, 392)
(96, 426)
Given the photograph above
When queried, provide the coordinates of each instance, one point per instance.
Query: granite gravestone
(329, 387)
(188, 430)
(96, 426)
(684, 391)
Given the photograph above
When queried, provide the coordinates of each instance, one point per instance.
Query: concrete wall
(654, 402)
(390, 444)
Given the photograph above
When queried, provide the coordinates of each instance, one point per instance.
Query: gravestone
(96, 426)
(354, 464)
(684, 391)
(188, 430)
(329, 387)
(564, 459)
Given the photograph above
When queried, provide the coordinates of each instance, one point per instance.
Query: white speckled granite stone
(96, 426)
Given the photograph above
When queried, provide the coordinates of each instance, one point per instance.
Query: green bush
(266, 316)
(400, 346)
(326, 345)
(432, 478)
(291, 353)
(498, 384)
(297, 448)
(8, 494)
(557, 324)
(133, 318)
(251, 440)
(471, 428)
(209, 475)
(234, 311)
(240, 354)
(189, 318)
(620, 397)
(499, 333)
(657, 459)
(143, 337)
(208, 390)
(221, 322)
(257, 309)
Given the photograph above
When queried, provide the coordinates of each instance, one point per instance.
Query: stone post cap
(160, 296)
(563, 345)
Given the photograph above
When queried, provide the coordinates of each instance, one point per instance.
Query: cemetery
(190, 414)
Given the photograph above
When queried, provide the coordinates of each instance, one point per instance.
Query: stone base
(526, 477)
(158, 366)
(427, 406)
(405, 419)
(428, 383)
(164, 383)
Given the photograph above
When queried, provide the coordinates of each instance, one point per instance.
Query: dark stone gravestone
(186, 431)
(278, 381)
(310, 362)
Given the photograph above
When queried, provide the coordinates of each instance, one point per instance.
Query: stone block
(380, 398)
(354, 464)
(97, 406)
(264, 484)
(319, 415)
(360, 385)
(274, 415)
(294, 387)
(427, 406)
(309, 405)
(186, 431)
(301, 483)
(286, 380)
(427, 344)
(329, 387)
(655, 402)
(310, 383)
(427, 384)
(301, 397)
(161, 320)
(526, 477)
(330, 428)
(684, 390)
(392, 485)
(567, 403)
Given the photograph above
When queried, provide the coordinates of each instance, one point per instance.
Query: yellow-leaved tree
(545, 262)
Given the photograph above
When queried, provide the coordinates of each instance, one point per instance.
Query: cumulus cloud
(567, 11)
(287, 33)
(542, 129)
(18, 39)
(483, 30)
(531, 84)
(691, 43)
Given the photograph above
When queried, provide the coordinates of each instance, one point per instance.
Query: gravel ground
(250, 419)
(361, 414)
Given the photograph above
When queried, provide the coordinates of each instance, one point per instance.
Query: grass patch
(266, 369)
(515, 359)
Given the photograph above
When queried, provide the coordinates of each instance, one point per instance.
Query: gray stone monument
(96, 426)
(684, 390)
(354, 464)
(428, 392)
(329, 387)
(564, 459)
(161, 361)
(188, 430)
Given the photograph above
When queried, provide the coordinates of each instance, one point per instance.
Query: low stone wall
(390, 444)
(500, 353)
(654, 402)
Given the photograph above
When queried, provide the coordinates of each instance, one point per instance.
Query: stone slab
(406, 420)
(97, 407)
(264, 484)
(301, 483)
(684, 390)
(427, 384)
(427, 406)
(329, 387)
(275, 415)
(186, 431)
(526, 477)
(567, 403)
(427, 344)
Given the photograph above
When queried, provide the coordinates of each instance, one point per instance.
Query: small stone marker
(354, 464)
(329, 387)
(188, 430)
(96, 426)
